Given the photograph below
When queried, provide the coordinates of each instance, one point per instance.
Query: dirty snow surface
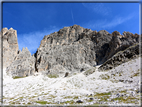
(118, 86)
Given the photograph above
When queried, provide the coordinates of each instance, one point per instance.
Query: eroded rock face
(23, 64)
(75, 48)
(10, 45)
(119, 43)
(121, 57)
(101, 40)
(71, 49)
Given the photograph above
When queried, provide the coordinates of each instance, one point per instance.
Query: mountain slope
(118, 86)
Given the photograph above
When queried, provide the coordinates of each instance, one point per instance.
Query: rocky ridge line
(71, 49)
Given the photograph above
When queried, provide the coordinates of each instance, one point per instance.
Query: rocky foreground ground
(118, 86)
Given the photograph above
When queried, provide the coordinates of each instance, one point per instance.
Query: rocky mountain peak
(24, 49)
(66, 35)
(84, 47)
(10, 45)
(71, 49)
(116, 33)
(4, 30)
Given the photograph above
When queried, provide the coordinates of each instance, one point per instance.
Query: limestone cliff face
(71, 49)
(121, 57)
(17, 63)
(10, 45)
(119, 43)
(75, 48)
(23, 64)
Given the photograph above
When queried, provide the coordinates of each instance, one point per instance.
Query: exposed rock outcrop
(10, 45)
(75, 48)
(65, 50)
(120, 42)
(23, 64)
(71, 49)
(18, 63)
(121, 57)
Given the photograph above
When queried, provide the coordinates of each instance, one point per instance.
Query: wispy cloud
(72, 16)
(32, 40)
(117, 21)
(108, 23)
(98, 8)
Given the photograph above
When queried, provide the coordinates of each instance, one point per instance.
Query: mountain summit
(71, 49)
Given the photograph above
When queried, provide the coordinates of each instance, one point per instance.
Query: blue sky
(35, 20)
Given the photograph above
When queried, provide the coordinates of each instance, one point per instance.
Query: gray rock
(65, 51)
(71, 49)
(118, 94)
(10, 45)
(66, 74)
(79, 101)
(121, 57)
(120, 43)
(23, 64)
(91, 98)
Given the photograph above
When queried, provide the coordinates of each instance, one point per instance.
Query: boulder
(79, 101)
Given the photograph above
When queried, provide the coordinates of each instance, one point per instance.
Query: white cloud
(117, 21)
(32, 40)
(98, 8)
(108, 24)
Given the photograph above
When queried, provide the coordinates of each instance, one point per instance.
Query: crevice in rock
(35, 66)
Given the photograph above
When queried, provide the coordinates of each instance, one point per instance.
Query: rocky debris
(90, 71)
(10, 45)
(23, 64)
(81, 70)
(121, 57)
(79, 101)
(66, 74)
(78, 87)
(91, 98)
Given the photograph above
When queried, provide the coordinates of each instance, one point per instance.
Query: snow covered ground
(118, 86)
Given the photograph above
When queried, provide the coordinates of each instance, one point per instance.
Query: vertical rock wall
(10, 46)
